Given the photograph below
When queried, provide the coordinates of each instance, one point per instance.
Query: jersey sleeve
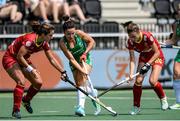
(150, 39)
(27, 41)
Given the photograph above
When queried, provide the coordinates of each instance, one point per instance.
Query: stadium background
(110, 55)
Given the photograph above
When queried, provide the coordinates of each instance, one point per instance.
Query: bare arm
(20, 56)
(172, 41)
(89, 40)
(53, 61)
(70, 57)
(132, 62)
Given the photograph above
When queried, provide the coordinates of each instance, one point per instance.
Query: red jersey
(144, 47)
(29, 41)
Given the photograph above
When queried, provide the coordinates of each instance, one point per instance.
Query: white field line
(49, 111)
(74, 97)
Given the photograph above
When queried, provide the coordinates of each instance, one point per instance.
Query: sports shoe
(135, 110)
(164, 103)
(175, 106)
(96, 105)
(80, 111)
(27, 105)
(16, 114)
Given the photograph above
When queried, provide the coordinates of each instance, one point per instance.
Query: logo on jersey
(28, 44)
(151, 39)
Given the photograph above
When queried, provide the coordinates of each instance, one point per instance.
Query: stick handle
(95, 99)
(163, 45)
(116, 85)
(89, 80)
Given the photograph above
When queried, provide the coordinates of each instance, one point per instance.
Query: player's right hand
(130, 78)
(64, 75)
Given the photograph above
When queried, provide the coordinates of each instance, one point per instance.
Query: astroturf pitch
(61, 106)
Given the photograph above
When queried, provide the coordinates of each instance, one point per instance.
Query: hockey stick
(89, 80)
(163, 45)
(116, 85)
(96, 100)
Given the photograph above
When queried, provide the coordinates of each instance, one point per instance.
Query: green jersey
(177, 58)
(78, 50)
(178, 28)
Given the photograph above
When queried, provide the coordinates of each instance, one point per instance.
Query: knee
(14, 7)
(38, 84)
(139, 80)
(21, 83)
(19, 14)
(79, 83)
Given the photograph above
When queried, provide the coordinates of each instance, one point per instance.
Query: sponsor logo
(117, 66)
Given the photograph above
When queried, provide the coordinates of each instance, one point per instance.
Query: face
(49, 36)
(133, 34)
(69, 33)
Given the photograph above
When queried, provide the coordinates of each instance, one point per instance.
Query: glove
(83, 57)
(145, 68)
(64, 76)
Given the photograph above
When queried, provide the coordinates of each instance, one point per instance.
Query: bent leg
(16, 74)
(156, 69)
(36, 84)
(176, 82)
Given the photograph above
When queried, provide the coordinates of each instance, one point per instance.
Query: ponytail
(130, 26)
(68, 23)
(35, 25)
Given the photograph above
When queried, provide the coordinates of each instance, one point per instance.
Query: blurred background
(102, 20)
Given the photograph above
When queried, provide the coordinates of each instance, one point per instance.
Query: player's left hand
(145, 68)
(83, 57)
(64, 75)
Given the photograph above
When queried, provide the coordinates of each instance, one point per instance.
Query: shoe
(164, 103)
(135, 110)
(27, 105)
(16, 114)
(175, 106)
(96, 105)
(80, 111)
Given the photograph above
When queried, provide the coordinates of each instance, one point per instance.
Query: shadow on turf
(89, 115)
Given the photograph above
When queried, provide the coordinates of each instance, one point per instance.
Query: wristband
(148, 64)
(29, 68)
(85, 54)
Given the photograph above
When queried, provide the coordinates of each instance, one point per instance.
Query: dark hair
(68, 23)
(41, 27)
(130, 26)
(34, 25)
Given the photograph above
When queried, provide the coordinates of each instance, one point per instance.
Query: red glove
(83, 57)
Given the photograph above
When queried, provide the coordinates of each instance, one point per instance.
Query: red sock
(30, 93)
(159, 90)
(137, 91)
(18, 94)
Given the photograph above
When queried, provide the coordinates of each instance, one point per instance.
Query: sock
(81, 97)
(159, 90)
(137, 91)
(18, 94)
(91, 91)
(30, 94)
(176, 86)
